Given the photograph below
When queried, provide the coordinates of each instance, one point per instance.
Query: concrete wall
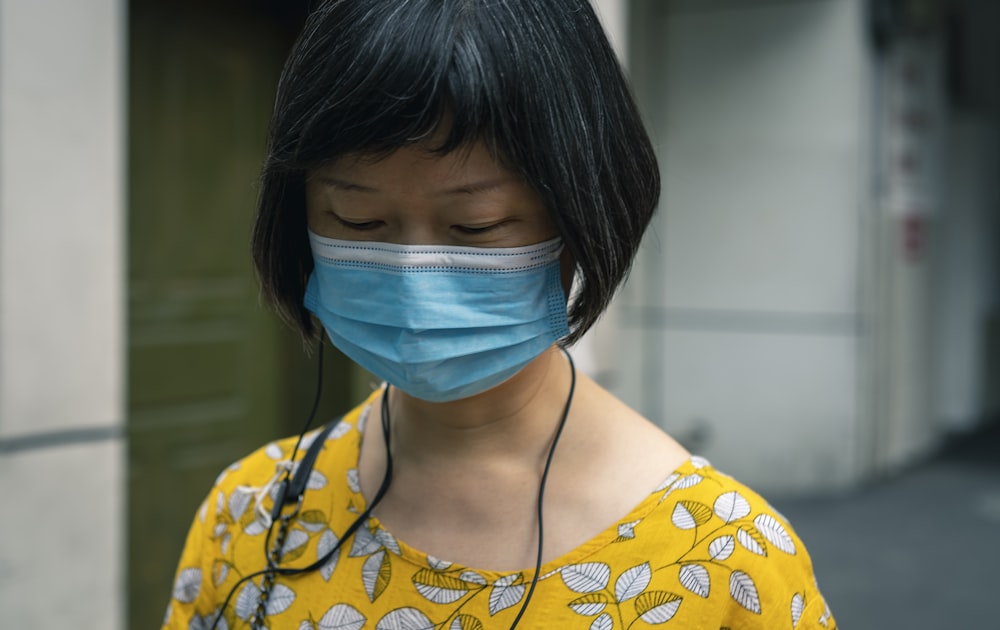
(62, 453)
(740, 329)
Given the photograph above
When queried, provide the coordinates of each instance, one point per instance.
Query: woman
(440, 172)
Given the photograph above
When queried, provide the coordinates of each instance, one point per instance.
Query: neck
(516, 419)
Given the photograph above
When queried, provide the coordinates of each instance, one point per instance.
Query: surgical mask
(440, 323)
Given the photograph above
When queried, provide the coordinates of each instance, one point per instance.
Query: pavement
(919, 550)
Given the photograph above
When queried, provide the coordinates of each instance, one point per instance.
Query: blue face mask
(440, 323)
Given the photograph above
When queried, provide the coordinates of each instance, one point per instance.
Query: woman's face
(414, 197)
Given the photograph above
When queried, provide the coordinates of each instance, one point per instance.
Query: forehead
(418, 166)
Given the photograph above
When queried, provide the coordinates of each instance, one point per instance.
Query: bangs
(535, 81)
(408, 78)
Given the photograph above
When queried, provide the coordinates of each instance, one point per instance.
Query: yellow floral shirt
(701, 551)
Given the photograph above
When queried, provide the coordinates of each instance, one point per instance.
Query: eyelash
(364, 226)
(472, 231)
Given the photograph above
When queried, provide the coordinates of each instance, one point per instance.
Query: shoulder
(727, 553)
(269, 462)
(227, 532)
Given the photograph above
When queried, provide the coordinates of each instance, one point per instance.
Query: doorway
(212, 372)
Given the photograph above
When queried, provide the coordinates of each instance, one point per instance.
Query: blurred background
(816, 308)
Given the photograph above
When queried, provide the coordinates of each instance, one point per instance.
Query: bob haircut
(535, 81)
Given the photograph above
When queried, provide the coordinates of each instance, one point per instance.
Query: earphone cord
(541, 488)
(273, 570)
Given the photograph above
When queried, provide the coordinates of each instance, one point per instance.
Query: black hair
(536, 81)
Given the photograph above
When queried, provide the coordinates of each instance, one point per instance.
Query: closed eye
(360, 226)
(477, 229)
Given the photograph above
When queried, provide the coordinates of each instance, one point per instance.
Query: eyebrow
(470, 188)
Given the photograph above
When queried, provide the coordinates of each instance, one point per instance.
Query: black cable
(380, 494)
(541, 488)
(280, 496)
(283, 571)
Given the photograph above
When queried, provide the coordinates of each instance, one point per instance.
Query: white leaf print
(472, 577)
(546, 576)
(731, 506)
(587, 577)
(199, 622)
(632, 582)
(327, 541)
(749, 541)
(218, 530)
(363, 418)
(220, 572)
(825, 617)
(436, 563)
(694, 578)
(307, 625)
(604, 622)
(683, 518)
(666, 482)
(798, 605)
(273, 451)
(387, 540)
(342, 617)
(188, 585)
(279, 601)
(657, 606)
(202, 512)
(439, 588)
(683, 483)
(775, 533)
(317, 480)
(698, 461)
(255, 528)
(353, 480)
(590, 604)
(722, 547)
(312, 527)
(224, 546)
(296, 538)
(405, 619)
(370, 573)
(627, 530)
(463, 622)
(246, 601)
(744, 591)
(339, 431)
(220, 502)
(505, 593)
(688, 481)
(364, 543)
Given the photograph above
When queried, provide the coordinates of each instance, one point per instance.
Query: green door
(212, 374)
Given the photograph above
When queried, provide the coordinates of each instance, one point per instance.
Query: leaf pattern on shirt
(700, 545)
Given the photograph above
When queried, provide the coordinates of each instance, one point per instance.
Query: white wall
(741, 327)
(61, 316)
(965, 249)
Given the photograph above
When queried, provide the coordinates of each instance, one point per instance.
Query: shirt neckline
(576, 555)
